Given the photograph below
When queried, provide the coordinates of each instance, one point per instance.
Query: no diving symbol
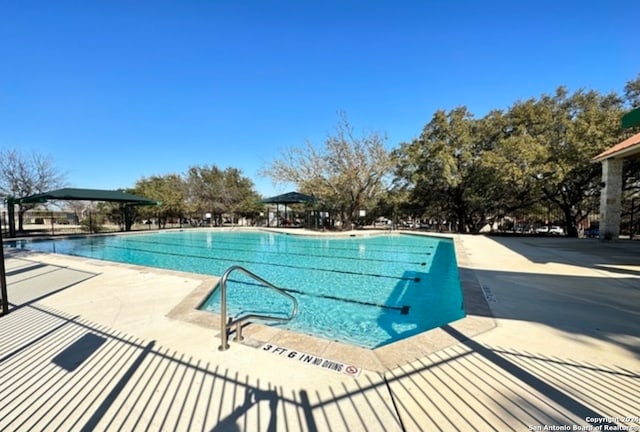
(351, 370)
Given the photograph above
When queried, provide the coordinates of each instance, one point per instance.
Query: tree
(169, 190)
(347, 174)
(556, 137)
(537, 153)
(205, 190)
(632, 92)
(446, 172)
(23, 175)
(216, 191)
(240, 197)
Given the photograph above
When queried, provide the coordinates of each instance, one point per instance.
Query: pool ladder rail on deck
(226, 326)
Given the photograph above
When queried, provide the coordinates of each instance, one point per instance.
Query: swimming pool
(363, 290)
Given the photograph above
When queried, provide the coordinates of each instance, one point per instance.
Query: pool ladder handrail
(225, 326)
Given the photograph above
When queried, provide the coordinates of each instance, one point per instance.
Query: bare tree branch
(348, 173)
(23, 175)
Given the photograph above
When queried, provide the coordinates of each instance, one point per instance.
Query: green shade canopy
(630, 119)
(71, 194)
(290, 198)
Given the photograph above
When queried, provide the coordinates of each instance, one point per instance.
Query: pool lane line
(278, 252)
(404, 310)
(236, 261)
(199, 246)
(218, 239)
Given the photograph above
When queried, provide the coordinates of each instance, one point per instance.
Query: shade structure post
(4, 301)
(11, 216)
(286, 199)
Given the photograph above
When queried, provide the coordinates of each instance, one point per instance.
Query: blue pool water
(365, 290)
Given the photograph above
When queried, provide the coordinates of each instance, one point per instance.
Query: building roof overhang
(627, 148)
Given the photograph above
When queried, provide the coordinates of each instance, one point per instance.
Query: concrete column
(610, 199)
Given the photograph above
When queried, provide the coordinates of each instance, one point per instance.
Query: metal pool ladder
(225, 326)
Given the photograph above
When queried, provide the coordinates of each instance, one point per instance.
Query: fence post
(631, 219)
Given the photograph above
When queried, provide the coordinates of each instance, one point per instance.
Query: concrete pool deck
(91, 345)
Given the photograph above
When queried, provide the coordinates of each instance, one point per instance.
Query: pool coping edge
(478, 320)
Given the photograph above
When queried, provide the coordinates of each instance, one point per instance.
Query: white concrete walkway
(92, 346)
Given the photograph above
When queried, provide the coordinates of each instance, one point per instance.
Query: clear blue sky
(116, 90)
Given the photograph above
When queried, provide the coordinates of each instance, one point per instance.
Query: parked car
(550, 230)
(556, 230)
(542, 230)
(523, 229)
(592, 232)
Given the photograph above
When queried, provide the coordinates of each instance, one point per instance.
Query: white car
(552, 230)
(542, 230)
(556, 230)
